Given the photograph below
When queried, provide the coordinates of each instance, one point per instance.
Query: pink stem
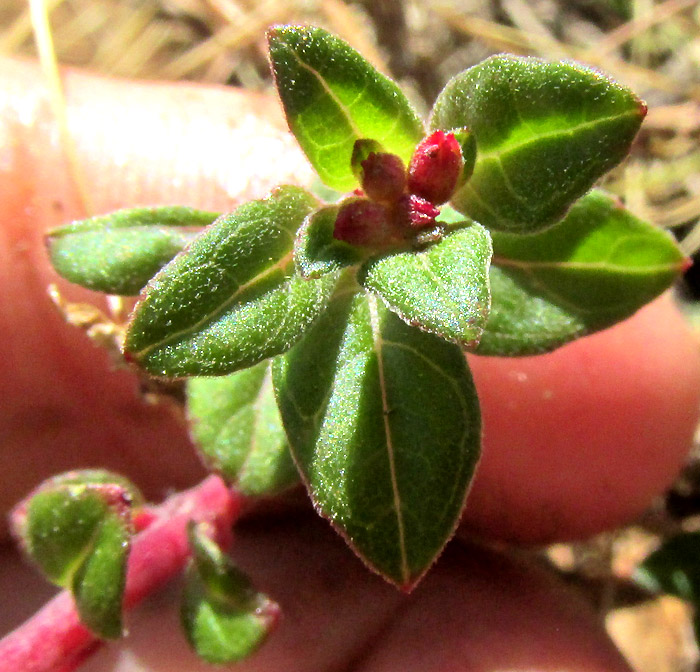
(54, 639)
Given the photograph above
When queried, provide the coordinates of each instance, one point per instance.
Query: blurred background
(651, 46)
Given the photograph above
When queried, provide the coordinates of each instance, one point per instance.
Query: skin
(574, 442)
(582, 439)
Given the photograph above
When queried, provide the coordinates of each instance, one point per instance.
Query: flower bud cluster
(395, 204)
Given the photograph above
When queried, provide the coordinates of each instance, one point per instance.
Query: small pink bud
(415, 212)
(435, 167)
(383, 177)
(361, 222)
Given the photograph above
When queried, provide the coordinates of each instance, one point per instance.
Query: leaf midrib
(377, 343)
(531, 266)
(317, 75)
(279, 265)
(501, 149)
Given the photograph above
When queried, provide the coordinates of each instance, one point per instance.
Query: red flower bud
(361, 222)
(435, 167)
(383, 177)
(415, 212)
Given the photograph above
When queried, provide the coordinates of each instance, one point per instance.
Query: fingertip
(582, 439)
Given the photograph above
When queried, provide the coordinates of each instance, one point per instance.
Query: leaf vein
(279, 265)
(378, 344)
(560, 133)
(531, 266)
(317, 75)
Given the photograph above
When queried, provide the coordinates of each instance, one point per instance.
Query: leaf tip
(273, 34)
(277, 32)
(130, 357)
(642, 107)
(407, 587)
(269, 613)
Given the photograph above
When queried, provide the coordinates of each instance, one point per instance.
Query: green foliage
(238, 430)
(443, 289)
(545, 132)
(224, 618)
(593, 269)
(120, 252)
(316, 251)
(207, 312)
(77, 529)
(333, 97)
(385, 432)
(674, 568)
(367, 323)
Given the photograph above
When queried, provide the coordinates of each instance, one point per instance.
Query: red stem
(54, 639)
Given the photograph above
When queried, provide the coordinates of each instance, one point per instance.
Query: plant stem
(54, 639)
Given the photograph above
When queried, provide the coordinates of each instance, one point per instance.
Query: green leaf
(595, 268)
(238, 430)
(99, 581)
(545, 132)
(95, 477)
(316, 251)
(674, 568)
(332, 97)
(224, 618)
(449, 217)
(467, 143)
(383, 421)
(120, 252)
(443, 289)
(360, 152)
(232, 298)
(79, 534)
(324, 193)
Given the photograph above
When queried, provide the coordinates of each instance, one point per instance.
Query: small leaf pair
(224, 618)
(77, 528)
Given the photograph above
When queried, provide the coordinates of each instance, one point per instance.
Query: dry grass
(652, 46)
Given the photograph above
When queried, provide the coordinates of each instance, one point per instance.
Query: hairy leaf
(545, 132)
(595, 268)
(384, 424)
(120, 252)
(238, 430)
(467, 143)
(316, 251)
(224, 618)
(232, 298)
(332, 97)
(450, 218)
(443, 289)
(79, 532)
